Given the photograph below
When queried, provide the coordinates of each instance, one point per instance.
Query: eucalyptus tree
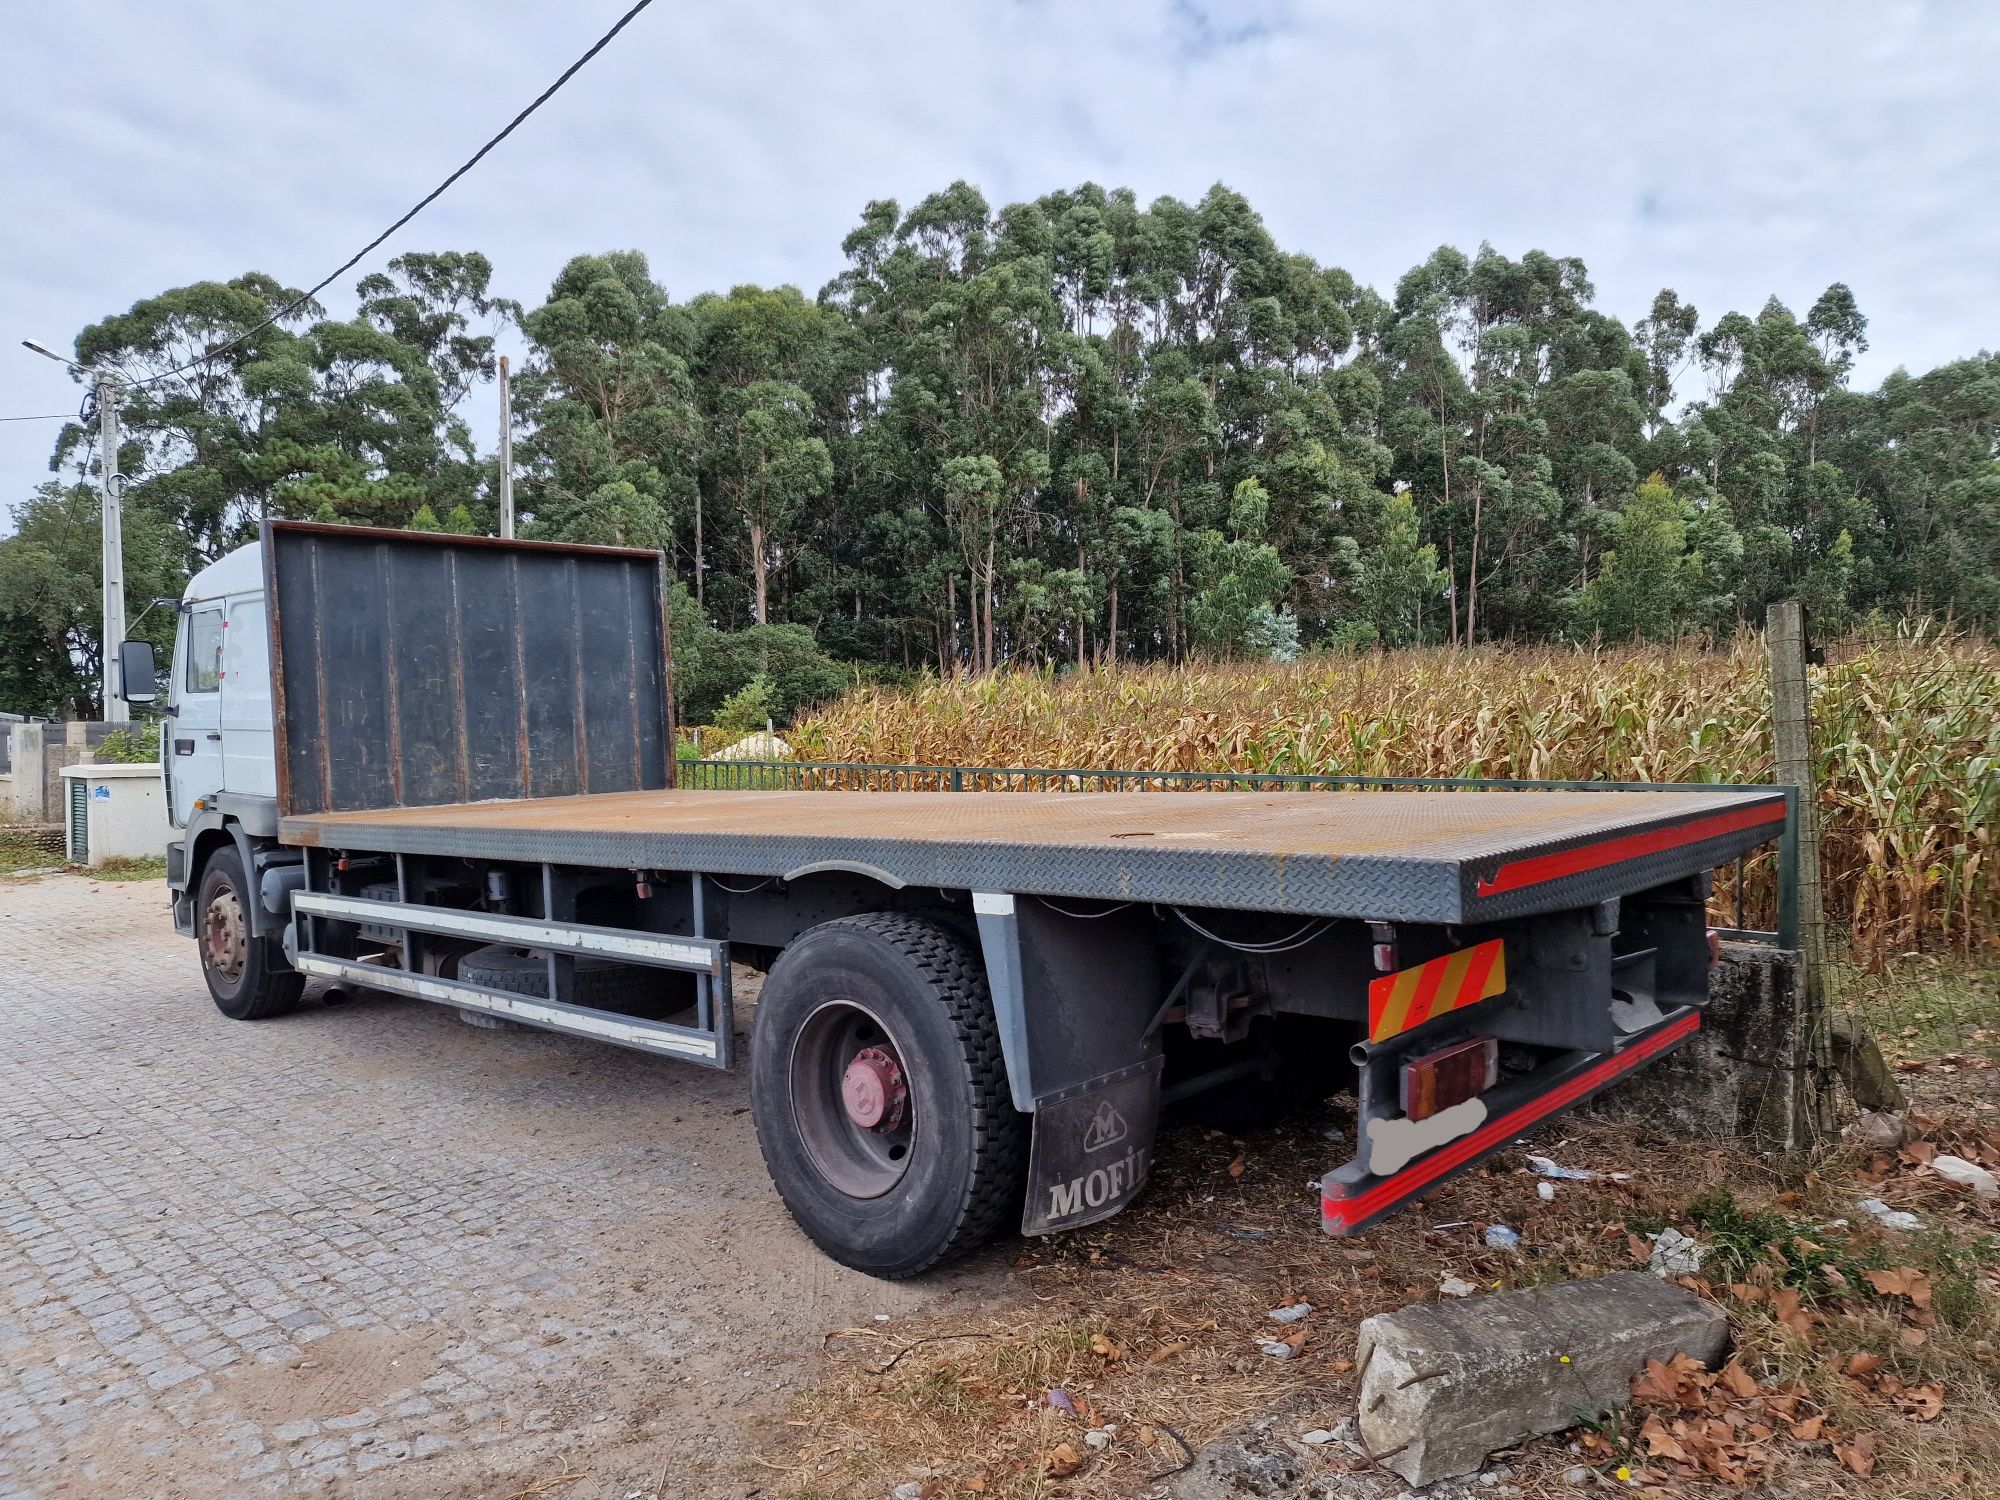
(240, 405)
(769, 466)
(614, 435)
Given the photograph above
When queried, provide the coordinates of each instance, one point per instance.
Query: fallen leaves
(1856, 1453)
(1786, 1309)
(1708, 1428)
(1916, 1403)
(1903, 1282)
(1727, 1424)
(1786, 1304)
(1154, 1321)
(1739, 1380)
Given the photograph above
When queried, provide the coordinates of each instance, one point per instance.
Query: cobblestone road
(366, 1249)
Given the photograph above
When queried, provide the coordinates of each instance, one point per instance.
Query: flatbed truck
(443, 767)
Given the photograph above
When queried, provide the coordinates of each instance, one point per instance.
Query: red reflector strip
(1525, 872)
(1408, 998)
(1338, 1213)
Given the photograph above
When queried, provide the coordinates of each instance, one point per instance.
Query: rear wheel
(247, 975)
(880, 1097)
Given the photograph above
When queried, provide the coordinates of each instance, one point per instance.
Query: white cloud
(1729, 151)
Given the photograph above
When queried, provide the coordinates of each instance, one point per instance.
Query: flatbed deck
(1412, 856)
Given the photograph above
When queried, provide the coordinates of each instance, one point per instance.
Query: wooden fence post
(1791, 737)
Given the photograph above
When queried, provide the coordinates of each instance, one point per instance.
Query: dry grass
(122, 868)
(1938, 1021)
(1908, 727)
(29, 846)
(1149, 1324)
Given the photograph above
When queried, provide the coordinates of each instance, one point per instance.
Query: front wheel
(880, 1096)
(247, 975)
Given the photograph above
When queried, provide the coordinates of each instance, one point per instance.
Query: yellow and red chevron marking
(1410, 997)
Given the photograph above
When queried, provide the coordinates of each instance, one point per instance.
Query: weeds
(1771, 1245)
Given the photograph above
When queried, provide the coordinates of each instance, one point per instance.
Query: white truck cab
(218, 737)
(230, 879)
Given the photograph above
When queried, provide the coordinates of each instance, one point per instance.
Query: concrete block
(1445, 1383)
(1757, 1071)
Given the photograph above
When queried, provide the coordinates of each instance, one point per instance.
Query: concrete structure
(1445, 1383)
(31, 765)
(114, 811)
(1752, 1073)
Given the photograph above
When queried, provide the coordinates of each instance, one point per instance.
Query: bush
(138, 745)
(713, 666)
(749, 708)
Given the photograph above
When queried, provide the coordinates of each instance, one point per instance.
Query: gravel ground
(367, 1250)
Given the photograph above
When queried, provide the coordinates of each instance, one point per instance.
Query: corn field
(1906, 725)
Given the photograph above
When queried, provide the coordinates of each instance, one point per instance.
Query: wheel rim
(851, 1099)
(223, 947)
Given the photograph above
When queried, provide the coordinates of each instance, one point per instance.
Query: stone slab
(1446, 1383)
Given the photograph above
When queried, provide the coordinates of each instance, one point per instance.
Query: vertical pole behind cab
(113, 485)
(506, 454)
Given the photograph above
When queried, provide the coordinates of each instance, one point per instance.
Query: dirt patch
(337, 1375)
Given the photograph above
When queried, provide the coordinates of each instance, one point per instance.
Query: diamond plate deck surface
(1409, 856)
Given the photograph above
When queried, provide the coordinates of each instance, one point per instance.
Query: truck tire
(247, 976)
(880, 1097)
(601, 984)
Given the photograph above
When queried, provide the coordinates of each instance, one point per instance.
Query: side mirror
(138, 675)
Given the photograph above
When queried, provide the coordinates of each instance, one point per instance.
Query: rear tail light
(1451, 1075)
(1382, 942)
(1714, 947)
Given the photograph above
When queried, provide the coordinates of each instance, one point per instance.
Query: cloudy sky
(1730, 151)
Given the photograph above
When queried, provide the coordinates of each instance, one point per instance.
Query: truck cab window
(204, 651)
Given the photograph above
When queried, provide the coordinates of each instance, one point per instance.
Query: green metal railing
(861, 776)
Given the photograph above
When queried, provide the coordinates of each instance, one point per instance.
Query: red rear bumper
(1346, 1207)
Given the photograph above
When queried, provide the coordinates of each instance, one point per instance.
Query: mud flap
(1093, 1148)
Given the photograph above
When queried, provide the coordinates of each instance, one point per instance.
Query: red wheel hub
(873, 1090)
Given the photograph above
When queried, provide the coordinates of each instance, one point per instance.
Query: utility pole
(116, 710)
(506, 454)
(111, 520)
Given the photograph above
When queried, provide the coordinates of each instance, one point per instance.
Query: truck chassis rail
(709, 1041)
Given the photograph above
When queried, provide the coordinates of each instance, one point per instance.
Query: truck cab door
(248, 765)
(195, 741)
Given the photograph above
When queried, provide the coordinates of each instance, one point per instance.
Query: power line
(52, 416)
(425, 202)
